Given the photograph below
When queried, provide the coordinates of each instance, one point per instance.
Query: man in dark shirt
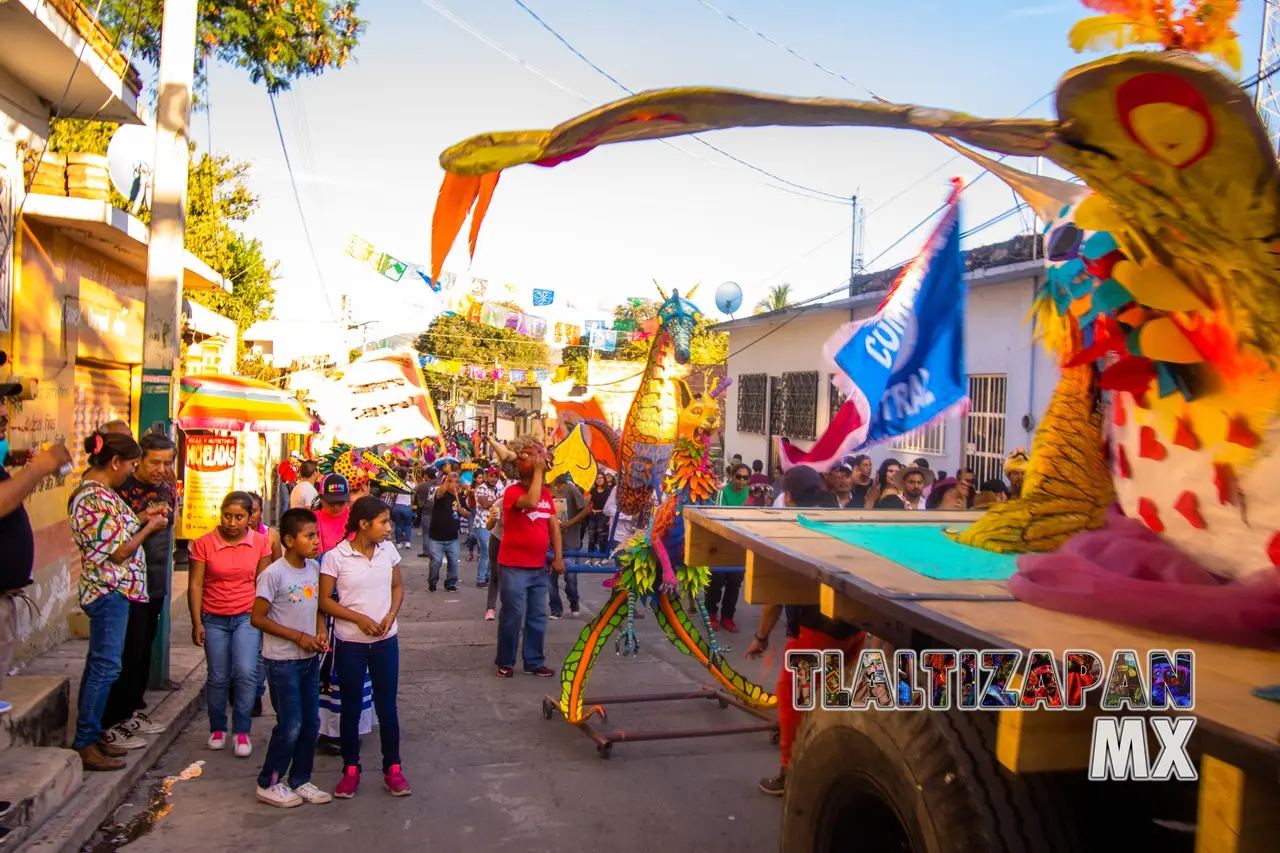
(423, 501)
(572, 509)
(18, 553)
(152, 483)
(806, 627)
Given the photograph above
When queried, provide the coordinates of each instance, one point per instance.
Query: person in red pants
(807, 628)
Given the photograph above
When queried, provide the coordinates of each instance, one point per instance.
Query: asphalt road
(488, 772)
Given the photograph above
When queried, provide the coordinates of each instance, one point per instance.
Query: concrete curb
(103, 793)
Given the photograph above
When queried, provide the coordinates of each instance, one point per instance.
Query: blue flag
(543, 298)
(903, 367)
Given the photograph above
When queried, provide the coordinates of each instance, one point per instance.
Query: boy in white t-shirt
(286, 610)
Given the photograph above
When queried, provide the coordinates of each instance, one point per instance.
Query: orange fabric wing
(457, 195)
(488, 183)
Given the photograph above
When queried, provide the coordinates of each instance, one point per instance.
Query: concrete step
(34, 783)
(41, 710)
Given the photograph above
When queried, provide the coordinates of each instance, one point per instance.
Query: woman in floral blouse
(113, 573)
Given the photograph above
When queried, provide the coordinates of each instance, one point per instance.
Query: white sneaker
(243, 747)
(121, 736)
(217, 740)
(280, 796)
(141, 724)
(489, 615)
(311, 794)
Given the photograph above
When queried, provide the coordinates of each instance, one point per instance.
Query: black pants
(722, 593)
(128, 693)
(495, 572)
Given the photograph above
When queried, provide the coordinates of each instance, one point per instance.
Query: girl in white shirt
(365, 572)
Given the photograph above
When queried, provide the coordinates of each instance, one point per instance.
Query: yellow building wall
(70, 303)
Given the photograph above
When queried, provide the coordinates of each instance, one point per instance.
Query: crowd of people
(308, 609)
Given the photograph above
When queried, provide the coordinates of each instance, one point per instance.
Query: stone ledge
(36, 781)
(103, 793)
(40, 713)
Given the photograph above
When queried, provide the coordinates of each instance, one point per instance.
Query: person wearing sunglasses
(722, 592)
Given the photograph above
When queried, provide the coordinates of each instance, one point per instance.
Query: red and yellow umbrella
(233, 403)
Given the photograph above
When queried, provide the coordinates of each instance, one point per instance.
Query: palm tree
(779, 297)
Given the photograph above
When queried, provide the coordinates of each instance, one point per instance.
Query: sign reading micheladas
(209, 473)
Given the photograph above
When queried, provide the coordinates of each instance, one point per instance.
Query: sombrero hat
(901, 476)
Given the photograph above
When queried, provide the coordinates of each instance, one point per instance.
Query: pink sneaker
(395, 783)
(348, 784)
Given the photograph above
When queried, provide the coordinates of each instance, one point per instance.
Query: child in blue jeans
(287, 613)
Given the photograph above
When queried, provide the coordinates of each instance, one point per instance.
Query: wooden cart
(852, 771)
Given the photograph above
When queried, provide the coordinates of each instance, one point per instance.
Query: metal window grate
(799, 405)
(752, 391)
(836, 398)
(930, 439)
(985, 426)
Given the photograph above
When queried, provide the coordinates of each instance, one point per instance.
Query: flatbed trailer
(854, 775)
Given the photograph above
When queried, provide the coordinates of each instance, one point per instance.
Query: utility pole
(166, 255)
(855, 251)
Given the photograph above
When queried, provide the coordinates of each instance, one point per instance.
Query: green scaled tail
(685, 637)
(576, 671)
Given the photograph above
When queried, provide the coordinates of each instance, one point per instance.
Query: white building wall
(998, 340)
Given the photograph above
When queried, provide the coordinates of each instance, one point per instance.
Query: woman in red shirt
(225, 564)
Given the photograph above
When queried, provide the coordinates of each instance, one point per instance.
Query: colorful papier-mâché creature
(653, 570)
(362, 468)
(649, 432)
(1162, 272)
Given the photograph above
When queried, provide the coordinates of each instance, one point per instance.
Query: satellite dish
(130, 157)
(728, 297)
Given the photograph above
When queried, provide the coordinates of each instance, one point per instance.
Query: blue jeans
(482, 564)
(403, 518)
(231, 653)
(439, 553)
(524, 606)
(108, 619)
(570, 589)
(382, 661)
(295, 694)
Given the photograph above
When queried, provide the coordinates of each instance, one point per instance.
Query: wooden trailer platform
(1237, 735)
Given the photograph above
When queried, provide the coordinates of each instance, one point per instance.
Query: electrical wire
(470, 30)
(696, 138)
(57, 113)
(301, 212)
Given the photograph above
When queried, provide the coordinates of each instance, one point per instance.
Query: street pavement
(488, 772)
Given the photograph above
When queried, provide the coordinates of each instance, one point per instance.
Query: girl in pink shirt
(224, 568)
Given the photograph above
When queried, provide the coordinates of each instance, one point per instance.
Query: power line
(470, 30)
(694, 137)
(298, 199)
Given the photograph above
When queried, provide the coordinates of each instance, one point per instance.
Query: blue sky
(365, 141)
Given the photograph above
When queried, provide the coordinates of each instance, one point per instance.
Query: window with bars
(928, 439)
(835, 399)
(752, 394)
(796, 405)
(984, 426)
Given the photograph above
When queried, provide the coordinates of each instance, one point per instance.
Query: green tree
(452, 337)
(217, 200)
(275, 41)
(779, 297)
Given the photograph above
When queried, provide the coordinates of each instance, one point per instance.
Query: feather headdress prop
(1201, 26)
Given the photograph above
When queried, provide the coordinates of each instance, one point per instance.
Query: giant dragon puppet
(1161, 298)
(664, 449)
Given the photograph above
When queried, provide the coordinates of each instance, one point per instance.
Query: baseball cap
(334, 489)
(842, 465)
